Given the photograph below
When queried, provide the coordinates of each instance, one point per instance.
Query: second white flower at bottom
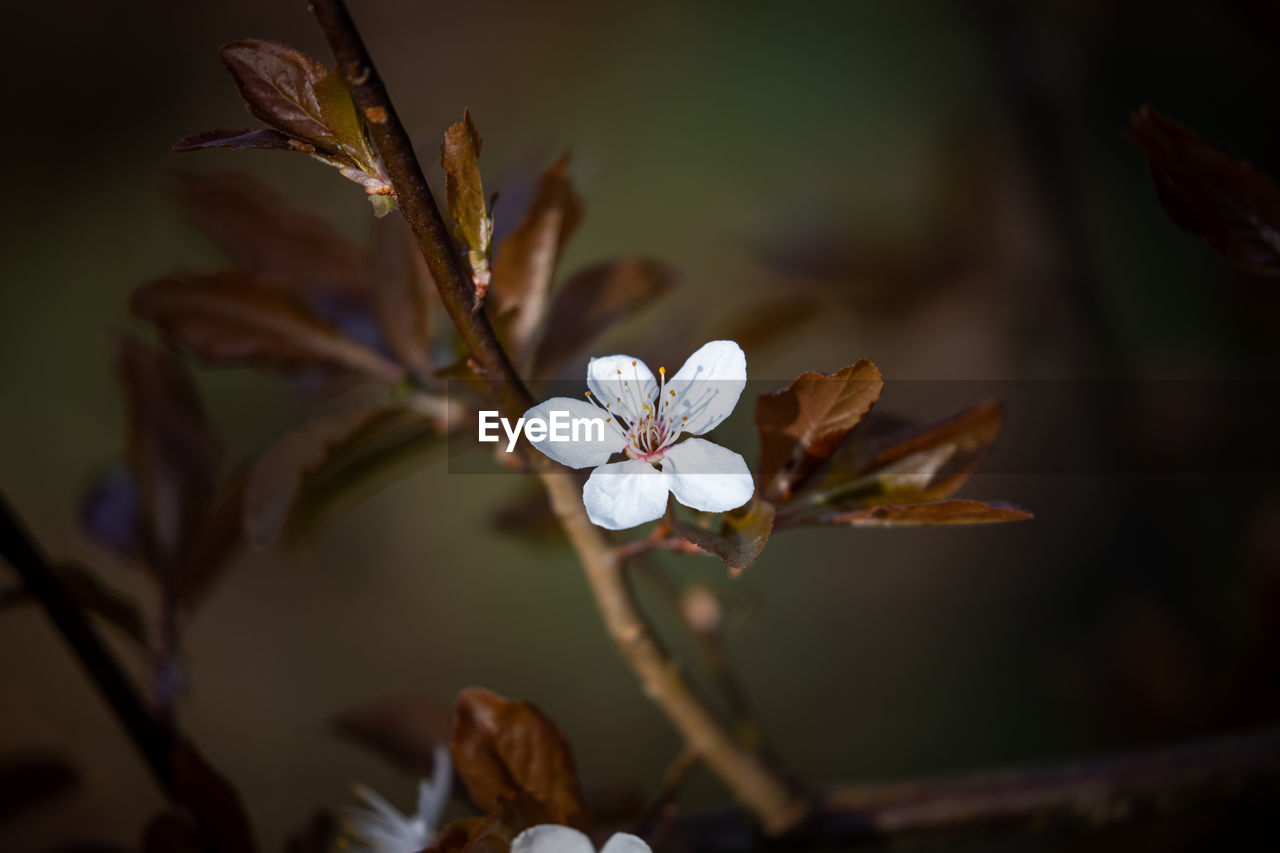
(645, 417)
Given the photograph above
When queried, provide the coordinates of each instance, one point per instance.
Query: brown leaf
(463, 190)
(227, 318)
(952, 449)
(802, 424)
(742, 536)
(403, 291)
(171, 452)
(1231, 205)
(526, 261)
(242, 140)
(278, 476)
(404, 729)
(282, 245)
(514, 761)
(212, 800)
(935, 513)
(595, 298)
(278, 85)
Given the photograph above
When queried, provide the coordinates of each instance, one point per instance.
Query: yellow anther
(662, 370)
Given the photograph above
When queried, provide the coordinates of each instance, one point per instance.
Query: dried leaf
(403, 291)
(212, 800)
(742, 536)
(172, 454)
(802, 424)
(595, 298)
(226, 318)
(1231, 205)
(242, 140)
(32, 779)
(514, 761)
(936, 513)
(526, 261)
(282, 245)
(464, 192)
(404, 729)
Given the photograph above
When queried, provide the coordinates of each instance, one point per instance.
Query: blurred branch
(772, 801)
(153, 740)
(1104, 791)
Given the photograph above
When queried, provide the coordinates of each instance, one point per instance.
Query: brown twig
(153, 740)
(1096, 793)
(770, 799)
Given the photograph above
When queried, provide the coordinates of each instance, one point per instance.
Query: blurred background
(950, 183)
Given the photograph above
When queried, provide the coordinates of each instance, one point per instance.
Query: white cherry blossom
(550, 838)
(379, 827)
(645, 417)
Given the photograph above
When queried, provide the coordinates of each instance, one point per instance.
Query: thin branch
(773, 802)
(153, 740)
(1096, 793)
(662, 809)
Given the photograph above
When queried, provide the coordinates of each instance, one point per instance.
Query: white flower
(645, 417)
(381, 828)
(550, 838)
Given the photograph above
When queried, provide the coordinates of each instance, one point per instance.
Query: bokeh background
(950, 181)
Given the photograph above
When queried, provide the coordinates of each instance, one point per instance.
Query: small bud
(701, 609)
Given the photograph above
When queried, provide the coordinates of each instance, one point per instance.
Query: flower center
(649, 426)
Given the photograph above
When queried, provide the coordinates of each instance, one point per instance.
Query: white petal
(550, 838)
(706, 476)
(598, 442)
(433, 794)
(623, 383)
(623, 494)
(707, 387)
(623, 842)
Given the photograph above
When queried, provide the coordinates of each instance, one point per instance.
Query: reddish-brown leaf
(404, 729)
(403, 292)
(1231, 205)
(935, 513)
(951, 448)
(595, 298)
(171, 452)
(741, 538)
(526, 261)
(278, 85)
(280, 244)
(514, 761)
(242, 140)
(801, 425)
(463, 190)
(227, 318)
